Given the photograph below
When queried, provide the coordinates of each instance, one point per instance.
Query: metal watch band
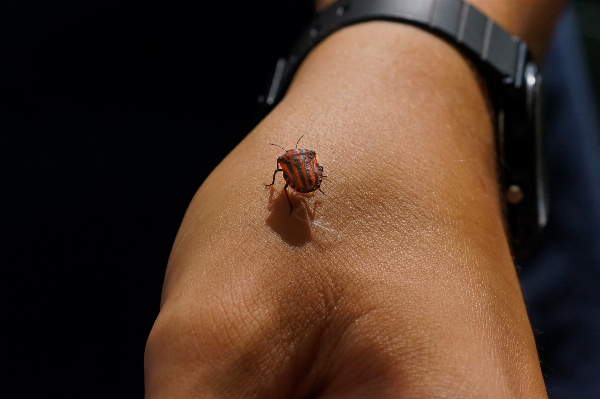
(486, 43)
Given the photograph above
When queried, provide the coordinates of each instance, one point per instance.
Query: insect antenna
(299, 141)
(277, 145)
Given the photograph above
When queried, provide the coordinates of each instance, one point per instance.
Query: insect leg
(322, 191)
(288, 197)
(274, 173)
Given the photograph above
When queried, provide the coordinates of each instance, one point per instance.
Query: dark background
(104, 140)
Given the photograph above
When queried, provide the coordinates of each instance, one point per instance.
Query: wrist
(405, 265)
(401, 277)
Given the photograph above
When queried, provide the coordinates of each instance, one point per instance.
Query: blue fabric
(562, 283)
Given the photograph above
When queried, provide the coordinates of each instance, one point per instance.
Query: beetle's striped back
(301, 170)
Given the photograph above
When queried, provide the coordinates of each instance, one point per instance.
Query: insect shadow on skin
(295, 229)
(301, 171)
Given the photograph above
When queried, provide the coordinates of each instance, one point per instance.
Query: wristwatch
(503, 60)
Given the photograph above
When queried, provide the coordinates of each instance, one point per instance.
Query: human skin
(398, 282)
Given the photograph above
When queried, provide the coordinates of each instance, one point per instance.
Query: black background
(105, 137)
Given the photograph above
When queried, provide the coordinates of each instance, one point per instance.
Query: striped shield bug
(301, 171)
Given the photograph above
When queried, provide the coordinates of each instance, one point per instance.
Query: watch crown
(514, 194)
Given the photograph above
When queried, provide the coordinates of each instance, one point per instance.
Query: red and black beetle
(301, 171)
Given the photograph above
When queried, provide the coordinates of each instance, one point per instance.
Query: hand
(398, 283)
